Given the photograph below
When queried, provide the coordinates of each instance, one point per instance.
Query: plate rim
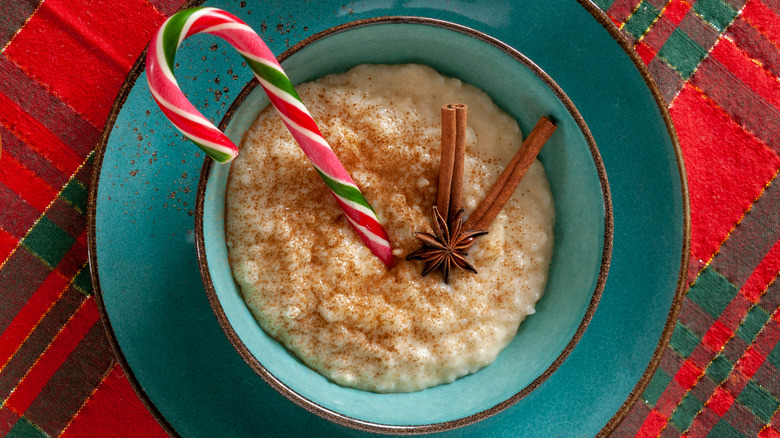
(682, 284)
(138, 67)
(682, 277)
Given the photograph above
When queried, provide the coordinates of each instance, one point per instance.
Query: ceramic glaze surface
(579, 225)
(150, 284)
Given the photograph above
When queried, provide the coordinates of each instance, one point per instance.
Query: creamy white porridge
(313, 285)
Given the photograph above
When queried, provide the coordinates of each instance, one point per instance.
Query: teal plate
(145, 268)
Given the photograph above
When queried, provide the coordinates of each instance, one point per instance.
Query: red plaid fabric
(716, 62)
(61, 70)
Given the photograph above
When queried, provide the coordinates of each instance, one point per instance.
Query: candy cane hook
(166, 92)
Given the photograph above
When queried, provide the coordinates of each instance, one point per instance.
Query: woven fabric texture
(716, 62)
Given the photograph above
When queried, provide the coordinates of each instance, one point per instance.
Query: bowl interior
(582, 230)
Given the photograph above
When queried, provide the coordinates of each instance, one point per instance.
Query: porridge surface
(313, 285)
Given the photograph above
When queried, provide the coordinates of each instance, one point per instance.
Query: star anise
(446, 248)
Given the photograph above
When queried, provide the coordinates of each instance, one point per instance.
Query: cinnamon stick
(453, 151)
(456, 189)
(507, 182)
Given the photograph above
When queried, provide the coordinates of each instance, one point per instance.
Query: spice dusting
(313, 285)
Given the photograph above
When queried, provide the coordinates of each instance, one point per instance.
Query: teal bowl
(583, 229)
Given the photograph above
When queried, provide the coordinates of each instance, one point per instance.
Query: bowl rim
(369, 426)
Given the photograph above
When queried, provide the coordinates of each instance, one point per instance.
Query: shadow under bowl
(583, 228)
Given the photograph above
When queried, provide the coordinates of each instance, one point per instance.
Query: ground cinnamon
(505, 185)
(449, 198)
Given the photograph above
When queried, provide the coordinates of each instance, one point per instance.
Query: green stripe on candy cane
(172, 34)
(160, 64)
(273, 76)
(220, 157)
(344, 191)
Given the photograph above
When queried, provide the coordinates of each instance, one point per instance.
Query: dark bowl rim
(368, 426)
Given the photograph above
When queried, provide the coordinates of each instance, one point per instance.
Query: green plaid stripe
(48, 241)
(724, 429)
(83, 282)
(682, 53)
(717, 13)
(603, 4)
(656, 387)
(75, 194)
(55, 233)
(719, 368)
(25, 429)
(754, 405)
(686, 410)
(753, 398)
(680, 48)
(14, 19)
(643, 17)
(760, 401)
(53, 246)
(712, 292)
(683, 341)
(753, 323)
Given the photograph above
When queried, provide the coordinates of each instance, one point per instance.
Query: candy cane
(184, 116)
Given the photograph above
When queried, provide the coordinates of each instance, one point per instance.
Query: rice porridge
(310, 281)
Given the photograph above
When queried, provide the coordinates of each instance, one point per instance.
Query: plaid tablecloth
(717, 63)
